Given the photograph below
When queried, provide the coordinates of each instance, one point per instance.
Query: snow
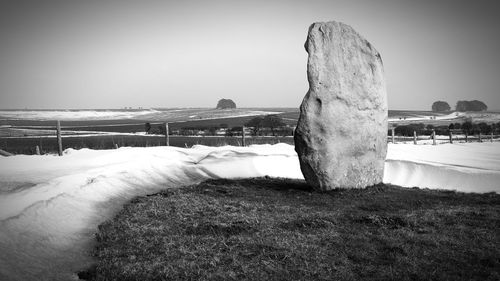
(50, 206)
(143, 114)
(74, 114)
(451, 116)
(467, 167)
(477, 117)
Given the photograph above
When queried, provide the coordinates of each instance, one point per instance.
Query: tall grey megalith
(341, 135)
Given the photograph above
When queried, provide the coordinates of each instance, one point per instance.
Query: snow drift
(467, 167)
(50, 206)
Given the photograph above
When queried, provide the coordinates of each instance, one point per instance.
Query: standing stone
(341, 135)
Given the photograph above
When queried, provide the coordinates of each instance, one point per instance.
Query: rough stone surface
(341, 135)
(225, 104)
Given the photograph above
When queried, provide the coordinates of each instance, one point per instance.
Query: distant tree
(441, 106)
(234, 131)
(441, 130)
(484, 128)
(272, 122)
(225, 104)
(154, 130)
(496, 127)
(404, 130)
(212, 131)
(160, 129)
(407, 130)
(467, 127)
(474, 105)
(256, 124)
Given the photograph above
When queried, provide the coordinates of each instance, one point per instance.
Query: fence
(440, 139)
(41, 145)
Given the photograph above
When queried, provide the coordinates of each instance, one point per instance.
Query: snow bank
(467, 167)
(50, 206)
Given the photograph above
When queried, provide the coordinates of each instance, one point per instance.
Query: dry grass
(275, 229)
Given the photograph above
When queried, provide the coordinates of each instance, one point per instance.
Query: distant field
(23, 134)
(162, 115)
(137, 125)
(289, 116)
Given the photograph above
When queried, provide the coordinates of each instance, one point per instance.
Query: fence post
(414, 137)
(451, 137)
(433, 137)
(37, 149)
(466, 137)
(392, 135)
(480, 137)
(491, 136)
(59, 139)
(167, 138)
(243, 136)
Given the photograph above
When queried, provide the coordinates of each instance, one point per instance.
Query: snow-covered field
(424, 117)
(181, 114)
(50, 206)
(414, 116)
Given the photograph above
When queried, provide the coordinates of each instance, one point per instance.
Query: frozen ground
(50, 206)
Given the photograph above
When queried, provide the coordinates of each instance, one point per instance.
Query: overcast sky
(111, 54)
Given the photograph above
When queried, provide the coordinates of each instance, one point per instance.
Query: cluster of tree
(462, 105)
(475, 128)
(273, 122)
(155, 130)
(225, 104)
(440, 106)
(266, 125)
(466, 127)
(474, 105)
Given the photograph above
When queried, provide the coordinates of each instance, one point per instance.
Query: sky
(73, 54)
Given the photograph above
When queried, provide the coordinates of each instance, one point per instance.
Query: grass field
(277, 229)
